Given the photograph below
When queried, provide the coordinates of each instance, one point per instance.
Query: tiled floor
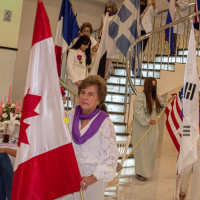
(161, 185)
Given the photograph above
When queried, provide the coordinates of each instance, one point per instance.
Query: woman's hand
(87, 180)
(172, 97)
(3, 150)
(154, 4)
(9, 151)
(177, 5)
(94, 48)
(78, 83)
(152, 122)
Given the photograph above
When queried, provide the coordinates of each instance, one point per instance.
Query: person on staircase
(79, 58)
(147, 13)
(181, 10)
(112, 51)
(146, 108)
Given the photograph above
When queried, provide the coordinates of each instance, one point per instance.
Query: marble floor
(161, 185)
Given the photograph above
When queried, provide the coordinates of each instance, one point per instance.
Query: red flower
(79, 57)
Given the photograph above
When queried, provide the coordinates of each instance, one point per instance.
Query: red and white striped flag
(46, 167)
(174, 119)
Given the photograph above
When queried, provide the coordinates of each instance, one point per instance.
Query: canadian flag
(46, 167)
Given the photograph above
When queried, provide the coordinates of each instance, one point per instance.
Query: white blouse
(98, 155)
(76, 67)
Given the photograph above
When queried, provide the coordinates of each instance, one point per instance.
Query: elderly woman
(79, 57)
(86, 29)
(146, 108)
(94, 139)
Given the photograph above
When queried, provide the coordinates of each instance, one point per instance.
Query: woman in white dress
(181, 10)
(79, 57)
(146, 18)
(94, 139)
(146, 108)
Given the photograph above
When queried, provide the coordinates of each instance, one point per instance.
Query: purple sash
(94, 126)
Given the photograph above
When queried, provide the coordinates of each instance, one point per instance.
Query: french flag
(45, 166)
(67, 30)
(169, 33)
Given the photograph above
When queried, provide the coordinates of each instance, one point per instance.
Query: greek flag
(125, 28)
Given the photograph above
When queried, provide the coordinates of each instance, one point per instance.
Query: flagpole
(152, 125)
(81, 194)
(93, 53)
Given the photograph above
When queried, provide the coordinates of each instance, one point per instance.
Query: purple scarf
(94, 127)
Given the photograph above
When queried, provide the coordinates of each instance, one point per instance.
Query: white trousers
(185, 177)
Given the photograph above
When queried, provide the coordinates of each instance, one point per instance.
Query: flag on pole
(174, 119)
(45, 167)
(67, 30)
(190, 126)
(99, 61)
(196, 18)
(169, 33)
(125, 28)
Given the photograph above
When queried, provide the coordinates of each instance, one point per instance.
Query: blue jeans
(6, 176)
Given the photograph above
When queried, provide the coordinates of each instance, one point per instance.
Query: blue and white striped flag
(125, 28)
(169, 33)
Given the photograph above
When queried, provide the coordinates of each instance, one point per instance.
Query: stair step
(185, 52)
(145, 73)
(116, 88)
(115, 98)
(171, 59)
(115, 107)
(119, 128)
(116, 117)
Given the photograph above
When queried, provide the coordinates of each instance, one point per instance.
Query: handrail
(147, 36)
(166, 10)
(69, 89)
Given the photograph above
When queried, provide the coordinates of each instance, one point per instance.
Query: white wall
(7, 64)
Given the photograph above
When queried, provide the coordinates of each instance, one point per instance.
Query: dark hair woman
(79, 57)
(146, 108)
(94, 138)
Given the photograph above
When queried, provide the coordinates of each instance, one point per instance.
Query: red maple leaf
(29, 105)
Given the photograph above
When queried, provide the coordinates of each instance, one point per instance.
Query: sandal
(140, 178)
(181, 196)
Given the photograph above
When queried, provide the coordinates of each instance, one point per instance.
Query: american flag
(174, 119)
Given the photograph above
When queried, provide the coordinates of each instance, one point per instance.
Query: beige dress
(145, 153)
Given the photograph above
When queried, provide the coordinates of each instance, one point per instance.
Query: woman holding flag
(94, 139)
(146, 108)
